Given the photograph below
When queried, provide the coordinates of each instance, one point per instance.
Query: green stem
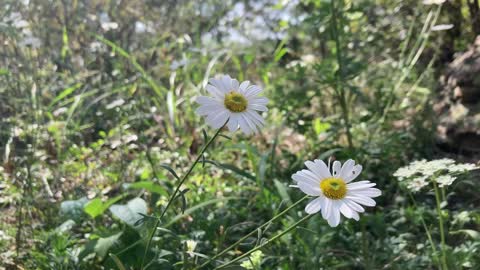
(427, 231)
(252, 232)
(340, 76)
(174, 195)
(366, 258)
(266, 242)
(440, 224)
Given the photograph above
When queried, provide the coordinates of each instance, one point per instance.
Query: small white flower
(335, 194)
(462, 167)
(236, 103)
(417, 183)
(445, 180)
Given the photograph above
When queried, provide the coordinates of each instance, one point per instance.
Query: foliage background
(97, 95)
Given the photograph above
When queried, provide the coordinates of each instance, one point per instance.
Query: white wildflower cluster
(417, 173)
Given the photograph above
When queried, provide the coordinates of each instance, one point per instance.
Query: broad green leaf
(104, 244)
(96, 207)
(100, 246)
(73, 209)
(320, 126)
(131, 212)
(147, 185)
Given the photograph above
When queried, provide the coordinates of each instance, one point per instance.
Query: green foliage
(99, 117)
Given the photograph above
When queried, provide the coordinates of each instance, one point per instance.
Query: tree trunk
(474, 8)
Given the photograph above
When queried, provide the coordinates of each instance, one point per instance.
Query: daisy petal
(337, 166)
(243, 86)
(357, 169)
(252, 91)
(346, 169)
(360, 185)
(317, 169)
(334, 218)
(257, 107)
(249, 123)
(226, 82)
(209, 109)
(355, 216)
(243, 125)
(346, 211)
(233, 123)
(215, 91)
(254, 115)
(301, 176)
(235, 84)
(203, 100)
(217, 83)
(323, 169)
(309, 189)
(218, 120)
(354, 206)
(370, 192)
(326, 207)
(259, 100)
(367, 201)
(314, 206)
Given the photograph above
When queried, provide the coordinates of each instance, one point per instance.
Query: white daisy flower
(235, 102)
(335, 194)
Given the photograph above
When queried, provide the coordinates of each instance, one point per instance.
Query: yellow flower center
(235, 102)
(333, 188)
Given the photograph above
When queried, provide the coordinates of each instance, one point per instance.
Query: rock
(459, 104)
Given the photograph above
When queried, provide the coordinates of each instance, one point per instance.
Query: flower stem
(172, 198)
(253, 232)
(293, 226)
(427, 231)
(440, 224)
(339, 89)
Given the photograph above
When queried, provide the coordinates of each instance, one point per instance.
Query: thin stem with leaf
(252, 232)
(440, 225)
(340, 76)
(269, 241)
(177, 189)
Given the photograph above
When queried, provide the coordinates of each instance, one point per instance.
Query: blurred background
(97, 98)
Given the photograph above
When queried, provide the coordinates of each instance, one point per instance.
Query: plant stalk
(253, 232)
(266, 242)
(174, 195)
(340, 90)
(440, 224)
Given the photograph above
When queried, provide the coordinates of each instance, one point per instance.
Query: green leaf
(65, 93)
(104, 244)
(320, 126)
(131, 212)
(96, 207)
(73, 209)
(117, 262)
(282, 190)
(147, 185)
(232, 168)
(168, 168)
(197, 207)
(100, 246)
(4, 72)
